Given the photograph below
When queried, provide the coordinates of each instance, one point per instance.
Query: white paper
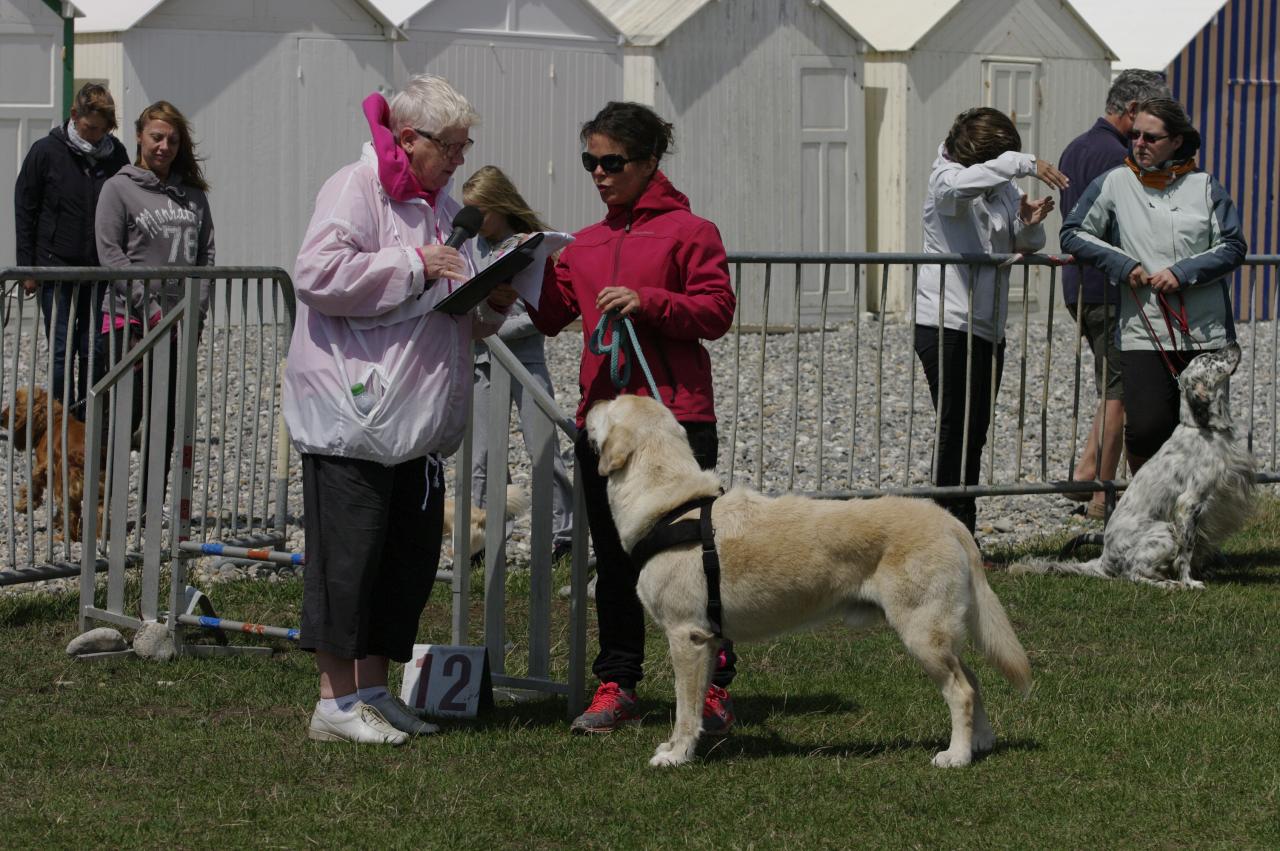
(528, 281)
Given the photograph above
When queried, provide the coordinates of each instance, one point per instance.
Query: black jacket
(54, 200)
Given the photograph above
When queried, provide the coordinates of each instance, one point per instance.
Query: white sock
(371, 693)
(340, 705)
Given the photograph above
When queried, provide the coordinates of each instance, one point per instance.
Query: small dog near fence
(1194, 492)
(793, 561)
(517, 504)
(46, 439)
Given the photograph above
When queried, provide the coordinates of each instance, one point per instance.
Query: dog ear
(616, 448)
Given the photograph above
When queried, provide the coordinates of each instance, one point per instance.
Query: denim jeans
(77, 304)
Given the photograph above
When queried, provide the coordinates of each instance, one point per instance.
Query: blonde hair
(185, 163)
(492, 191)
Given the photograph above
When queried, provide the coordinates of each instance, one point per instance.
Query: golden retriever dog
(46, 439)
(792, 561)
(517, 504)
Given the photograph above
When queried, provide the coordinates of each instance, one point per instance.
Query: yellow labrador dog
(792, 561)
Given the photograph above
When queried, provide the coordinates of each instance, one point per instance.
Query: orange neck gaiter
(1161, 178)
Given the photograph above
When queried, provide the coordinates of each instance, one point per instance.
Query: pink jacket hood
(394, 172)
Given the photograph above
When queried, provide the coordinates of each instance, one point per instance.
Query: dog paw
(1193, 584)
(668, 758)
(947, 759)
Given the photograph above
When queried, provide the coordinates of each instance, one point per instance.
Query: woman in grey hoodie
(154, 213)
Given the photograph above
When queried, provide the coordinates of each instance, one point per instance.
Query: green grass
(1154, 722)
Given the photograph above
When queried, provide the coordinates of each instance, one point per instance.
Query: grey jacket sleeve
(1089, 233)
(1228, 244)
(518, 325)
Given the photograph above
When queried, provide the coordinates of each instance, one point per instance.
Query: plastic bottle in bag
(363, 397)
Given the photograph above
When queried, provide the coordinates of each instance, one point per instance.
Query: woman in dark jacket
(654, 261)
(54, 200)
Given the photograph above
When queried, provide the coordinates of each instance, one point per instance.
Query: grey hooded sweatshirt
(141, 221)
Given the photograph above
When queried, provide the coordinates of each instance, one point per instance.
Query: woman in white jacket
(973, 207)
(377, 388)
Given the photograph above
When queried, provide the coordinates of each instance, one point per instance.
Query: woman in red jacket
(654, 261)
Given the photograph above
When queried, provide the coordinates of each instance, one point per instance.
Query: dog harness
(669, 532)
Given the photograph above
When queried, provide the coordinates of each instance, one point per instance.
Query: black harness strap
(669, 532)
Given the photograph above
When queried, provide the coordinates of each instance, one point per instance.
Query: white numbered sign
(447, 680)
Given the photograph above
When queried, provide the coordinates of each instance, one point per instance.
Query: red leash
(1171, 317)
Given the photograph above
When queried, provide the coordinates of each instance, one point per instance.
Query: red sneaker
(611, 707)
(717, 712)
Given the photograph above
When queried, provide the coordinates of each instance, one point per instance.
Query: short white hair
(430, 103)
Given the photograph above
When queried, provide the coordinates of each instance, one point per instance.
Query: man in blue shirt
(1085, 289)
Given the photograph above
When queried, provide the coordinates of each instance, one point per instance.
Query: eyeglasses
(449, 149)
(611, 163)
(1149, 138)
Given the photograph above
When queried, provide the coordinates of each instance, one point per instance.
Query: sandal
(1096, 511)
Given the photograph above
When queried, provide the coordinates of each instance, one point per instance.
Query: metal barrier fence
(853, 375)
(881, 403)
(232, 450)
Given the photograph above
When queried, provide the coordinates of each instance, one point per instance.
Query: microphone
(465, 225)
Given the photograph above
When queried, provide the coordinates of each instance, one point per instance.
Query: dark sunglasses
(450, 150)
(611, 163)
(1149, 138)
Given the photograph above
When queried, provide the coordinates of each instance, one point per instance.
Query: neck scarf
(393, 163)
(1160, 178)
(91, 152)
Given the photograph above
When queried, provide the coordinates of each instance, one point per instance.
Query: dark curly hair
(639, 129)
(981, 134)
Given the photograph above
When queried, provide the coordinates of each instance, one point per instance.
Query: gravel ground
(850, 429)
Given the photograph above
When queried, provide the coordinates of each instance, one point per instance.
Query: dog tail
(991, 629)
(1066, 568)
(518, 501)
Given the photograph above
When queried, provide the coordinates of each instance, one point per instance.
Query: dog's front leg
(1186, 523)
(692, 651)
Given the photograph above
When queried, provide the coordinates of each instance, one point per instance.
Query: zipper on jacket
(617, 252)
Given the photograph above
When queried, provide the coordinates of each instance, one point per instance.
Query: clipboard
(475, 290)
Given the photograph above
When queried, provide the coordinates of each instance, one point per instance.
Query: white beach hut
(535, 72)
(31, 86)
(767, 99)
(928, 60)
(272, 90)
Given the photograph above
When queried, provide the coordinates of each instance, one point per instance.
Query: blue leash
(607, 339)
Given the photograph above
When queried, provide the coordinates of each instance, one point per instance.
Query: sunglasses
(1149, 138)
(610, 163)
(449, 149)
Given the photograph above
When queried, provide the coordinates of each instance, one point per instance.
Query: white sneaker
(363, 724)
(402, 716)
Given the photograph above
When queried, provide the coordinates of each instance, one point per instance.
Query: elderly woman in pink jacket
(376, 389)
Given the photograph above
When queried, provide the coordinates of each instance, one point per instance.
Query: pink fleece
(393, 163)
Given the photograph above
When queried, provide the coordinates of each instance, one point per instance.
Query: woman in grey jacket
(1171, 233)
(973, 207)
(154, 213)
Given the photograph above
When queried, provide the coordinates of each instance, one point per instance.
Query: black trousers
(618, 609)
(373, 545)
(1151, 399)
(949, 402)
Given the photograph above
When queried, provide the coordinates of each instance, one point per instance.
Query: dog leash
(607, 339)
(1171, 317)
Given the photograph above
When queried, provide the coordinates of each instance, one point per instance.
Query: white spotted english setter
(1193, 493)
